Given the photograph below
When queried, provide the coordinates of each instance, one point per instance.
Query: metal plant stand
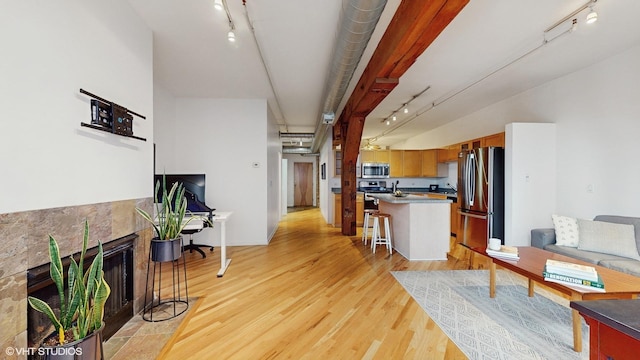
(161, 309)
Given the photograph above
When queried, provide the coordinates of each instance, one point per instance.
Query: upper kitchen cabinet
(430, 163)
(471, 144)
(493, 140)
(448, 154)
(396, 163)
(412, 163)
(377, 156)
(338, 162)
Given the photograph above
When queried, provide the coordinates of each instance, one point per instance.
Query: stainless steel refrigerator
(481, 196)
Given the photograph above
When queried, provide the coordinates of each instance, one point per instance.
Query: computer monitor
(194, 185)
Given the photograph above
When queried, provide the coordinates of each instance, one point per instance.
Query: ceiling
(492, 50)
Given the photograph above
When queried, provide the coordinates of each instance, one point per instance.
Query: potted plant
(79, 321)
(169, 221)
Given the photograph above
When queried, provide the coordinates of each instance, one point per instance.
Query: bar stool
(366, 225)
(376, 238)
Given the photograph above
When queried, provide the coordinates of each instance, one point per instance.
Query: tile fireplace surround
(24, 240)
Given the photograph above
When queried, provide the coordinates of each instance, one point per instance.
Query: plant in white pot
(169, 221)
(79, 320)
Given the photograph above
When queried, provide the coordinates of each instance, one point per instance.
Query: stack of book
(582, 277)
(505, 253)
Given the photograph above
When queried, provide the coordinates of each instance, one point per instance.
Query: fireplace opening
(118, 272)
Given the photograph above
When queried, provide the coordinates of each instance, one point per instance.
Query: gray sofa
(546, 239)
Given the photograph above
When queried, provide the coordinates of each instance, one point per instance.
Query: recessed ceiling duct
(358, 20)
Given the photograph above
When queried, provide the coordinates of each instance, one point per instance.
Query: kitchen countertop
(406, 191)
(410, 198)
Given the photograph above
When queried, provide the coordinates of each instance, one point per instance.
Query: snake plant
(171, 209)
(82, 305)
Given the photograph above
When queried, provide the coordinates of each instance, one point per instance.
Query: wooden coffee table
(618, 285)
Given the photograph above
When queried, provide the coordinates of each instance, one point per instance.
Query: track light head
(231, 36)
(592, 16)
(217, 4)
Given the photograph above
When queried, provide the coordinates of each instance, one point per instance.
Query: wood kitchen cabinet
(429, 163)
(471, 144)
(367, 156)
(396, 163)
(455, 218)
(337, 160)
(412, 163)
(337, 209)
(379, 156)
(448, 154)
(494, 140)
(359, 209)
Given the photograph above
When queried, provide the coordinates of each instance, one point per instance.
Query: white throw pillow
(608, 238)
(567, 233)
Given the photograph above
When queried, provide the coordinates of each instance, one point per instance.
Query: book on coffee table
(505, 252)
(549, 276)
(572, 270)
(577, 286)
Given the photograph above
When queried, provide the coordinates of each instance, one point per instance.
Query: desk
(221, 218)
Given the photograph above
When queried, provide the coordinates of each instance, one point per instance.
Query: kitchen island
(420, 226)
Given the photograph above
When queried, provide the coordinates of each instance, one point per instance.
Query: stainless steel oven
(375, 170)
(372, 187)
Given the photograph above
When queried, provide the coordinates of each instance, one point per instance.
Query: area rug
(510, 326)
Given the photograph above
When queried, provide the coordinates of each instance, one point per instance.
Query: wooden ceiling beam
(413, 28)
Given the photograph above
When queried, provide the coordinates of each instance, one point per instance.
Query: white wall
(530, 178)
(596, 111)
(164, 105)
(274, 173)
(326, 197)
(51, 49)
(233, 142)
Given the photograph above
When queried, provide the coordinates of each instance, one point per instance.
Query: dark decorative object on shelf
(111, 117)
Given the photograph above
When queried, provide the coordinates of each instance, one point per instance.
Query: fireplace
(118, 272)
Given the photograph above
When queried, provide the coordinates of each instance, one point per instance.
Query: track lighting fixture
(592, 16)
(574, 25)
(404, 108)
(222, 5)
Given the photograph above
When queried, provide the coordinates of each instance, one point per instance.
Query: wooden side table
(614, 327)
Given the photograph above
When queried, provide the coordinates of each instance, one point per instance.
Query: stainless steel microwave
(375, 170)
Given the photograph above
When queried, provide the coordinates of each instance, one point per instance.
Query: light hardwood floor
(311, 293)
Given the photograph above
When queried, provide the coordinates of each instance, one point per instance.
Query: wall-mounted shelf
(110, 117)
